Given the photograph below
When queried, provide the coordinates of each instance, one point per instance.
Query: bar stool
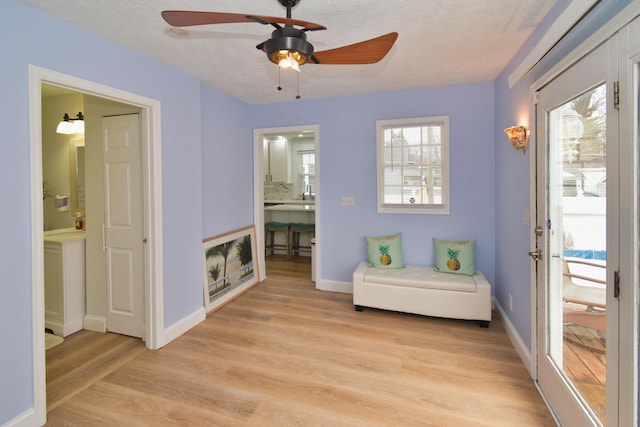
(296, 229)
(270, 230)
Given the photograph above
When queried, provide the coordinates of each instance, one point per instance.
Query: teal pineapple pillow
(385, 251)
(455, 257)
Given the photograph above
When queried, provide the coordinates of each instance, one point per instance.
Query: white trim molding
(95, 323)
(183, 325)
(335, 286)
(567, 19)
(624, 17)
(516, 340)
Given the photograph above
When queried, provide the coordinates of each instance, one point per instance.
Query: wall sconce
(519, 137)
(70, 125)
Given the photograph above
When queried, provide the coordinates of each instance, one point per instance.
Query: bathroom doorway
(149, 111)
(286, 188)
(106, 205)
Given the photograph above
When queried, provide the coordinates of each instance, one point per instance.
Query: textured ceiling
(440, 42)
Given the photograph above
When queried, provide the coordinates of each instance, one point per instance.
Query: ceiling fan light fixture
(289, 60)
(290, 45)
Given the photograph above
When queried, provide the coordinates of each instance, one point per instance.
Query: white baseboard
(27, 419)
(183, 325)
(335, 286)
(516, 340)
(99, 324)
(95, 323)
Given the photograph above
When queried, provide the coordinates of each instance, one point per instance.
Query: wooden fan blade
(366, 52)
(185, 18)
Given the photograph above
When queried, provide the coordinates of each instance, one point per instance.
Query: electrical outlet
(347, 201)
(510, 302)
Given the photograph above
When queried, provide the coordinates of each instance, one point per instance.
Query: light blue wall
(31, 37)
(227, 163)
(347, 164)
(513, 265)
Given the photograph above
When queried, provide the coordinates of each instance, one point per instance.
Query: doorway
(151, 164)
(106, 201)
(585, 239)
(286, 172)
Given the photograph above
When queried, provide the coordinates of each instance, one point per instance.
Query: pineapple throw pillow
(385, 252)
(455, 257)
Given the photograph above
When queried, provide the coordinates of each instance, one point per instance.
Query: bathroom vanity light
(519, 137)
(70, 125)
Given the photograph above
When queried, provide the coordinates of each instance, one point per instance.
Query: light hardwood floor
(286, 354)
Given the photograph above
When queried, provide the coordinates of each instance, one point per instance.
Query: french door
(586, 238)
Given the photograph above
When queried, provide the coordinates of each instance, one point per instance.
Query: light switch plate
(347, 201)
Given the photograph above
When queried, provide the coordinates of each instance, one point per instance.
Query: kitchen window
(307, 172)
(413, 165)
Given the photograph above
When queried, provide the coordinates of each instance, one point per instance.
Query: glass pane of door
(576, 245)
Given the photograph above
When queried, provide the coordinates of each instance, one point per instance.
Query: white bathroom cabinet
(64, 285)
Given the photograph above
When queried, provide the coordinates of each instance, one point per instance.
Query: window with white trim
(413, 165)
(307, 172)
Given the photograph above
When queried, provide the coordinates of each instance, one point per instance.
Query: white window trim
(300, 175)
(434, 209)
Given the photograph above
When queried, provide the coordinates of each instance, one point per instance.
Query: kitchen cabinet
(276, 160)
(64, 285)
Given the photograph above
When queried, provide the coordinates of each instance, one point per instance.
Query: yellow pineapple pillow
(455, 257)
(385, 251)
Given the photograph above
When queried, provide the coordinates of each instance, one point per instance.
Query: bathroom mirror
(76, 164)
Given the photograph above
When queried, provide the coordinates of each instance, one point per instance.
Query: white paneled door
(123, 225)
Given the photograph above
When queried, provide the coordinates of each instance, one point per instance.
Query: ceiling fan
(288, 46)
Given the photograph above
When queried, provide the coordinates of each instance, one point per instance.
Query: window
(413, 165)
(307, 172)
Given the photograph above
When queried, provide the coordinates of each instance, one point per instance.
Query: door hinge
(539, 231)
(616, 284)
(616, 95)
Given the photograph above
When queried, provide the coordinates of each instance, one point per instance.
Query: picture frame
(230, 266)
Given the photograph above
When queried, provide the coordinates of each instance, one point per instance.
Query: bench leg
(484, 323)
(359, 308)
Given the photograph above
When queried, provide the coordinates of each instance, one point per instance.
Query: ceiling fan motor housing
(288, 40)
(289, 3)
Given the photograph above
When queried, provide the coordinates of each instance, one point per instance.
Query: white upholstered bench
(422, 290)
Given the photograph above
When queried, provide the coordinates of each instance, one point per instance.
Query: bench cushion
(415, 276)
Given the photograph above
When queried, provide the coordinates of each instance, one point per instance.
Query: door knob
(536, 255)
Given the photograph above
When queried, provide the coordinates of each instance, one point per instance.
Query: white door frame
(258, 192)
(152, 174)
(626, 384)
(590, 72)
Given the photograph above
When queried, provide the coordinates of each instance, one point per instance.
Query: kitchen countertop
(292, 202)
(291, 207)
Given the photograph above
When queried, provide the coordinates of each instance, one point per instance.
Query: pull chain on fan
(297, 82)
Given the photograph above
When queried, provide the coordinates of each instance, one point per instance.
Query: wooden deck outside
(584, 319)
(585, 363)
